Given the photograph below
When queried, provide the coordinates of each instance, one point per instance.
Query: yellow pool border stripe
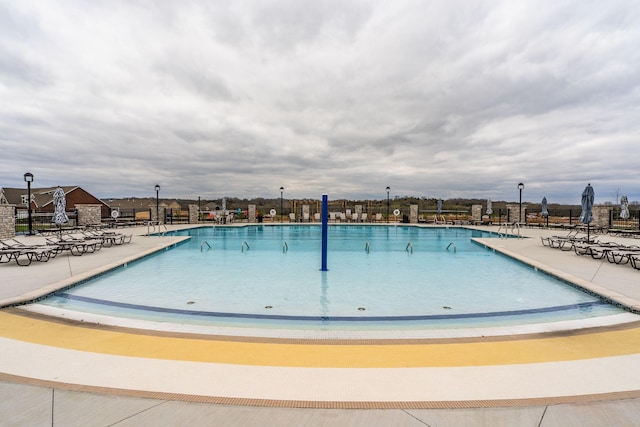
(376, 354)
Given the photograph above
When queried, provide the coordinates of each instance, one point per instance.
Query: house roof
(40, 196)
(142, 203)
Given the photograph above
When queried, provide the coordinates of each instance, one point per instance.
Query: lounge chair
(108, 238)
(76, 247)
(378, 217)
(363, 218)
(6, 255)
(622, 255)
(635, 261)
(567, 242)
(16, 244)
(596, 251)
(292, 217)
(23, 255)
(305, 216)
(316, 217)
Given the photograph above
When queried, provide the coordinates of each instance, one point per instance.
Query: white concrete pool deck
(530, 381)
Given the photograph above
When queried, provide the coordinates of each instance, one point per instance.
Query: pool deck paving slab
(53, 404)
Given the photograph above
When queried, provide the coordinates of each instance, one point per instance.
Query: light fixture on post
(520, 187)
(281, 195)
(157, 203)
(28, 177)
(388, 190)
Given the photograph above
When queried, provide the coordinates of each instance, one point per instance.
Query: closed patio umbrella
(586, 216)
(60, 208)
(545, 211)
(624, 207)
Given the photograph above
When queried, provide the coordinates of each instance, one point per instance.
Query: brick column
(89, 214)
(193, 214)
(358, 212)
(7, 221)
(601, 216)
(476, 212)
(413, 214)
(514, 211)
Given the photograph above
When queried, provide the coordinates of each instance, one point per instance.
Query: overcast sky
(340, 97)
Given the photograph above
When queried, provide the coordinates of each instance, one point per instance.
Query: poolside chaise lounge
(622, 255)
(595, 250)
(23, 254)
(108, 238)
(76, 246)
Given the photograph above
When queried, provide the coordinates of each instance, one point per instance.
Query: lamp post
(199, 214)
(281, 193)
(157, 203)
(520, 187)
(388, 189)
(28, 177)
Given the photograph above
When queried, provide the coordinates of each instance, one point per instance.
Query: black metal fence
(41, 222)
(141, 216)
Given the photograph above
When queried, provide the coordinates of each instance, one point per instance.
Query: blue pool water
(269, 276)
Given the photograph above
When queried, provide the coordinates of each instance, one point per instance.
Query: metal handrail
(243, 245)
(205, 243)
(409, 247)
(454, 247)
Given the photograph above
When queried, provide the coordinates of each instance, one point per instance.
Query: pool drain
(268, 307)
(361, 308)
(191, 302)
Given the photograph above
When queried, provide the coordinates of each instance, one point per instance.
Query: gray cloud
(239, 98)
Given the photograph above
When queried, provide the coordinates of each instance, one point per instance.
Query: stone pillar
(476, 213)
(413, 214)
(193, 214)
(358, 212)
(162, 208)
(305, 212)
(251, 214)
(513, 212)
(7, 221)
(152, 213)
(89, 214)
(601, 216)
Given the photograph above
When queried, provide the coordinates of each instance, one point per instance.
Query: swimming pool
(380, 277)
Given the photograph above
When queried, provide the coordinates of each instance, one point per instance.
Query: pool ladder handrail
(243, 245)
(507, 225)
(409, 247)
(151, 228)
(205, 243)
(285, 248)
(367, 247)
(454, 247)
